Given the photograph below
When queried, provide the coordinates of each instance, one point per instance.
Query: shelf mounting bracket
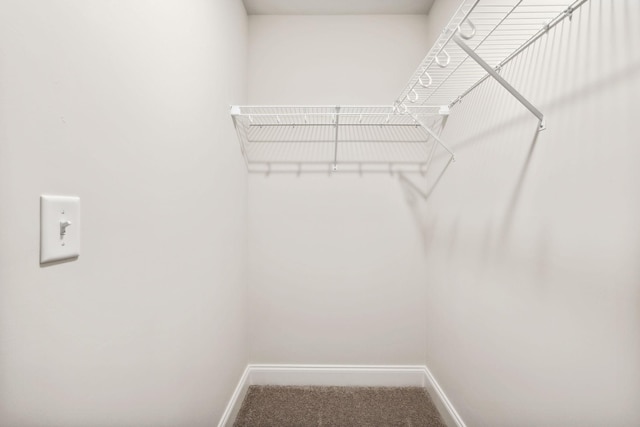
(434, 135)
(335, 150)
(497, 77)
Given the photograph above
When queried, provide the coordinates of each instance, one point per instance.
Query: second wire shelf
(333, 134)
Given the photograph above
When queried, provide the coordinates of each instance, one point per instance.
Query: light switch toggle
(63, 227)
(60, 227)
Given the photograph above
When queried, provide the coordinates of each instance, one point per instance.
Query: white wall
(532, 246)
(525, 254)
(516, 281)
(335, 266)
(328, 60)
(126, 105)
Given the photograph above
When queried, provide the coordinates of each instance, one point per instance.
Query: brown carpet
(279, 406)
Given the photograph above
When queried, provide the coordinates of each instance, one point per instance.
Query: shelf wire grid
(401, 134)
(499, 30)
(280, 135)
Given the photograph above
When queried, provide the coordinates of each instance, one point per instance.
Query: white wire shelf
(480, 39)
(332, 134)
(495, 30)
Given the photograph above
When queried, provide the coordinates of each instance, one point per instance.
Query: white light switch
(59, 228)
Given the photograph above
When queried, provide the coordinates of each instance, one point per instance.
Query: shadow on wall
(570, 74)
(531, 241)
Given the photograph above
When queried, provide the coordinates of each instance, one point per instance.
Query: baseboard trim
(341, 375)
(442, 402)
(233, 407)
(338, 375)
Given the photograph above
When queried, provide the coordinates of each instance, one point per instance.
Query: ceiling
(337, 7)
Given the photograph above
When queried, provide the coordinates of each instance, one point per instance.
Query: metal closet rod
(334, 113)
(331, 106)
(267, 125)
(330, 114)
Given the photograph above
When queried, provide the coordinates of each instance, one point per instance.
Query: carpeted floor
(279, 406)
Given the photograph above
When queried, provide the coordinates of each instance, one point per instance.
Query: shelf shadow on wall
(414, 189)
(497, 129)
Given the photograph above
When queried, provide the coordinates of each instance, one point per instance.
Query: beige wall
(532, 245)
(516, 282)
(525, 256)
(328, 60)
(336, 269)
(126, 105)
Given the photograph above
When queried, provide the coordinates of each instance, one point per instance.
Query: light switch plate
(59, 228)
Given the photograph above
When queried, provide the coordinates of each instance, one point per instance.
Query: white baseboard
(338, 375)
(341, 375)
(442, 402)
(233, 407)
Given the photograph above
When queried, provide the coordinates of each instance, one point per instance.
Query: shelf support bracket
(434, 135)
(335, 150)
(493, 73)
(235, 114)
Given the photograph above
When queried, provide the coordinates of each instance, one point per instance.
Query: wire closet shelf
(288, 137)
(480, 39)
